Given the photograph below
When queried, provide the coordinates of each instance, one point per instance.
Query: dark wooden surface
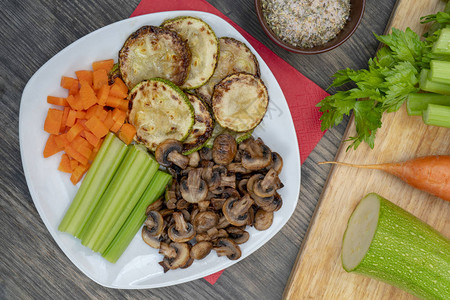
(31, 264)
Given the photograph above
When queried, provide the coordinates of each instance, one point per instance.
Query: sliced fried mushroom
(151, 240)
(226, 247)
(236, 210)
(224, 149)
(205, 153)
(238, 235)
(203, 205)
(201, 250)
(182, 204)
(188, 263)
(193, 188)
(263, 219)
(242, 186)
(228, 181)
(205, 220)
(237, 167)
(267, 186)
(260, 201)
(154, 223)
(175, 255)
(169, 152)
(255, 155)
(212, 177)
(157, 205)
(275, 205)
(277, 162)
(223, 222)
(194, 159)
(217, 203)
(181, 231)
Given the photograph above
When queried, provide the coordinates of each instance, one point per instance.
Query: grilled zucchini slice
(234, 57)
(160, 110)
(240, 101)
(204, 47)
(238, 136)
(154, 52)
(203, 126)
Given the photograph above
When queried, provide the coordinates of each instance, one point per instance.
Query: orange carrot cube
(64, 165)
(119, 89)
(103, 64)
(97, 127)
(78, 173)
(53, 121)
(70, 150)
(74, 131)
(87, 95)
(127, 133)
(57, 101)
(102, 94)
(50, 146)
(67, 82)
(100, 78)
(85, 75)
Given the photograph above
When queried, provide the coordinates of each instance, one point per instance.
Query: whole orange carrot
(429, 173)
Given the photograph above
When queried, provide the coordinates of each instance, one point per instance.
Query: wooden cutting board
(317, 272)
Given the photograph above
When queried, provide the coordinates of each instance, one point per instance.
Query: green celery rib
(437, 115)
(427, 85)
(134, 221)
(125, 189)
(416, 103)
(442, 45)
(439, 71)
(94, 185)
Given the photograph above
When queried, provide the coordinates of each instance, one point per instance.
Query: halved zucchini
(154, 52)
(234, 57)
(160, 110)
(203, 126)
(203, 45)
(240, 101)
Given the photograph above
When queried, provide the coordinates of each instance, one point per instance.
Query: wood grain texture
(31, 264)
(318, 273)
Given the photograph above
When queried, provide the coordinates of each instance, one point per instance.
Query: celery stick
(134, 221)
(439, 71)
(426, 84)
(437, 115)
(125, 189)
(94, 184)
(442, 45)
(417, 102)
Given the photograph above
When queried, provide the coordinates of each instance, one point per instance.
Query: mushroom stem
(167, 251)
(178, 159)
(240, 207)
(180, 223)
(269, 180)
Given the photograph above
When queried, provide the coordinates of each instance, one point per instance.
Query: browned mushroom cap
(238, 235)
(275, 205)
(181, 231)
(236, 210)
(267, 186)
(263, 219)
(260, 201)
(188, 263)
(205, 220)
(255, 155)
(212, 175)
(175, 255)
(193, 189)
(205, 153)
(224, 149)
(157, 205)
(211, 235)
(169, 152)
(226, 247)
(194, 159)
(152, 241)
(154, 223)
(201, 250)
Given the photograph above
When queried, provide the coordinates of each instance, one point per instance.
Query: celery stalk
(100, 173)
(123, 192)
(437, 115)
(427, 85)
(417, 102)
(134, 221)
(439, 71)
(442, 45)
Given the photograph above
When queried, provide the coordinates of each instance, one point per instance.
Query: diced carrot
(70, 150)
(103, 64)
(51, 147)
(75, 88)
(85, 75)
(119, 89)
(74, 102)
(119, 115)
(64, 118)
(71, 118)
(67, 82)
(91, 138)
(78, 173)
(113, 101)
(87, 95)
(123, 105)
(73, 163)
(99, 78)
(53, 121)
(102, 94)
(81, 114)
(61, 140)
(109, 121)
(97, 127)
(85, 151)
(79, 142)
(64, 165)
(127, 133)
(57, 101)
(74, 131)
(116, 126)
(98, 111)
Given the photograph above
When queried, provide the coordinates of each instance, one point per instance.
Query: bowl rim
(307, 51)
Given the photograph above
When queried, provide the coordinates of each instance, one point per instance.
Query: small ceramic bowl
(356, 14)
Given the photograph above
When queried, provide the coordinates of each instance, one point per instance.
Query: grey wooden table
(31, 264)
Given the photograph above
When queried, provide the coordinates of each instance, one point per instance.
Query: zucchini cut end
(360, 231)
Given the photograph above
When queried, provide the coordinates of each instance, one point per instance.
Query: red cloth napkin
(301, 93)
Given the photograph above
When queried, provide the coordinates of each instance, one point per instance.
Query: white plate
(52, 190)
